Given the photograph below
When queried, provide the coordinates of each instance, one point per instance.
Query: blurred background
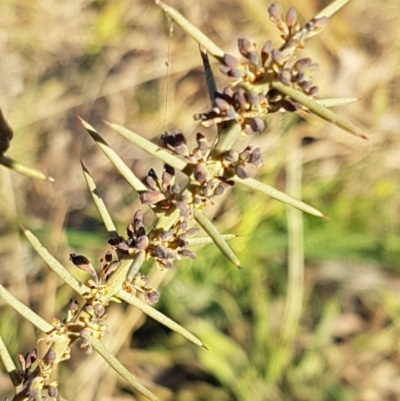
(106, 60)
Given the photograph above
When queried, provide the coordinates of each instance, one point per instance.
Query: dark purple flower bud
(142, 242)
(266, 52)
(99, 310)
(166, 235)
(240, 97)
(277, 56)
(138, 220)
(219, 190)
(83, 263)
(152, 296)
(53, 391)
(202, 143)
(50, 357)
(151, 182)
(151, 197)
(274, 11)
(73, 305)
(254, 58)
(305, 86)
(255, 158)
(291, 17)
(186, 253)
(302, 64)
(108, 257)
(230, 61)
(285, 77)
(316, 25)
(109, 269)
(245, 153)
(313, 91)
(253, 98)
(30, 358)
(32, 393)
(231, 155)
(222, 104)
(244, 46)
(237, 74)
(241, 171)
(116, 241)
(168, 176)
(228, 91)
(161, 252)
(166, 264)
(225, 70)
(257, 125)
(200, 173)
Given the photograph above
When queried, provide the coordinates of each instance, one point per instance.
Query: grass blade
(101, 207)
(149, 147)
(208, 240)
(54, 264)
(125, 171)
(159, 317)
(219, 240)
(336, 101)
(332, 8)
(121, 369)
(22, 169)
(26, 312)
(192, 31)
(278, 195)
(318, 109)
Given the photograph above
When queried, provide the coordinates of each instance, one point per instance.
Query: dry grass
(106, 60)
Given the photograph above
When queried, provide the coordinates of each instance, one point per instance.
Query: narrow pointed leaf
(54, 264)
(121, 369)
(26, 312)
(22, 169)
(149, 147)
(210, 80)
(228, 134)
(318, 109)
(212, 231)
(332, 8)
(208, 240)
(156, 315)
(101, 207)
(9, 364)
(114, 284)
(125, 171)
(336, 101)
(192, 31)
(278, 195)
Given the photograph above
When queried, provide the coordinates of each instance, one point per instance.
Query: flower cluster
(237, 163)
(251, 95)
(164, 246)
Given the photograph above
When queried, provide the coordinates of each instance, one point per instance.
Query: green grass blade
(159, 317)
(54, 264)
(219, 240)
(332, 8)
(8, 363)
(149, 147)
(228, 134)
(101, 207)
(192, 31)
(318, 109)
(121, 369)
(125, 171)
(278, 195)
(22, 169)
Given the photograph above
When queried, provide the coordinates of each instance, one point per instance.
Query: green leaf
(192, 31)
(219, 240)
(278, 195)
(22, 169)
(149, 147)
(125, 171)
(318, 109)
(54, 264)
(121, 369)
(101, 207)
(159, 317)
